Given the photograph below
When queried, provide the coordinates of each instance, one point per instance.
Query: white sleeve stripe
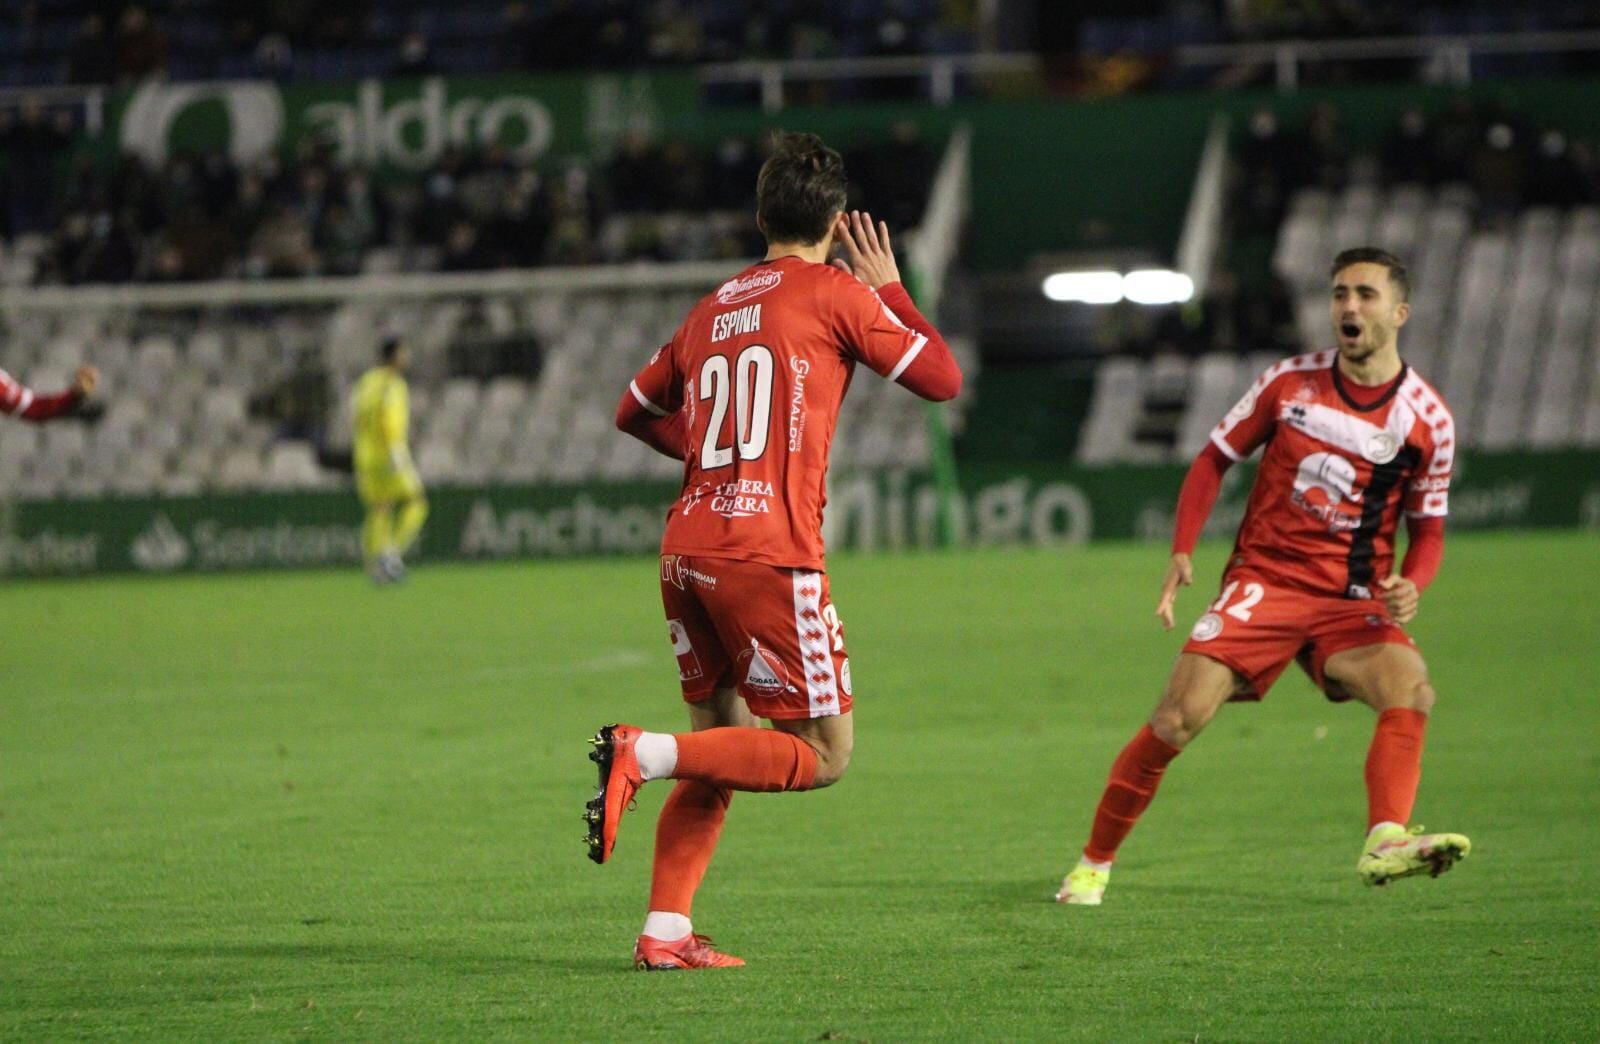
(1222, 444)
(24, 400)
(633, 386)
(908, 358)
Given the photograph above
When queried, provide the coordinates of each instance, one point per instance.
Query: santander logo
(746, 287)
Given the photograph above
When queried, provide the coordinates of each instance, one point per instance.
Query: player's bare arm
(868, 253)
(1180, 573)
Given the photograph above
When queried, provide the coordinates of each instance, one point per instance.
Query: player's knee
(832, 760)
(1177, 723)
(1419, 697)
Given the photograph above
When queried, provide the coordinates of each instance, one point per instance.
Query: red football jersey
(1336, 475)
(760, 367)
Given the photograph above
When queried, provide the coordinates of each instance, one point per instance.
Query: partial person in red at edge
(1354, 439)
(19, 400)
(747, 394)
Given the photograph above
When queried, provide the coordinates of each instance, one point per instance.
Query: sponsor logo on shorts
(735, 290)
(676, 570)
(764, 671)
(844, 676)
(688, 661)
(1206, 628)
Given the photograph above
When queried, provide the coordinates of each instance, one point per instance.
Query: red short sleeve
(1428, 495)
(656, 386)
(14, 398)
(871, 333)
(1250, 422)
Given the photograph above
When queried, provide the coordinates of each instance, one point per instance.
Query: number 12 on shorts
(1239, 610)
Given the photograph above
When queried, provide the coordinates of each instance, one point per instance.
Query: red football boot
(619, 781)
(692, 951)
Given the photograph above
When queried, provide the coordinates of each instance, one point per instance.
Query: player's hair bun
(807, 152)
(801, 186)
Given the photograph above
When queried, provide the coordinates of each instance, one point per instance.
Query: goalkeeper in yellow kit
(386, 479)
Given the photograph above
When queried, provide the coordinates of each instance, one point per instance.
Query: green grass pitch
(293, 806)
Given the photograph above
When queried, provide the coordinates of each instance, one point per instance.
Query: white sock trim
(1100, 868)
(666, 926)
(658, 756)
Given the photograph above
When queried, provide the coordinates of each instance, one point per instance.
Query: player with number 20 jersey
(747, 394)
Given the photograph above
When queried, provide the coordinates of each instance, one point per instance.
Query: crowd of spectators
(201, 217)
(1506, 159)
(105, 41)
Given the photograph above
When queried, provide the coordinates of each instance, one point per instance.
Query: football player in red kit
(1354, 439)
(747, 394)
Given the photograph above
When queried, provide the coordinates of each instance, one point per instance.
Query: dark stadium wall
(1048, 174)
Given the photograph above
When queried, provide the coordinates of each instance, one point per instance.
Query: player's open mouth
(1350, 330)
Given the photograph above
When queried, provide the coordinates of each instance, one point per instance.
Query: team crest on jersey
(746, 287)
(764, 671)
(1381, 446)
(1206, 628)
(844, 676)
(1244, 406)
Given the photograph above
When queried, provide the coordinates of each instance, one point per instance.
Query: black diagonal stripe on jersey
(1385, 479)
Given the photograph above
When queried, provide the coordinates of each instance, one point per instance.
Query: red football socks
(1134, 777)
(686, 836)
(1394, 765)
(746, 759)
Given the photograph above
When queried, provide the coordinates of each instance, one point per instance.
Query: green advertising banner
(397, 125)
(997, 506)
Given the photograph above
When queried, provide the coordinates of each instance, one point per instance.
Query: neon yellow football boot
(1085, 886)
(1393, 852)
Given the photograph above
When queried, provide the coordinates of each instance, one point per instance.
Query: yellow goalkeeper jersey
(381, 413)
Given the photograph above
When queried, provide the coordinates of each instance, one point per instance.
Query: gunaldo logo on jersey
(1325, 488)
(254, 110)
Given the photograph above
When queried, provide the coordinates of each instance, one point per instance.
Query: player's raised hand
(88, 378)
(1180, 573)
(867, 249)
(1401, 596)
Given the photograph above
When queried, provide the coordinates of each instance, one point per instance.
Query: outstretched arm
(18, 399)
(931, 371)
(663, 432)
(1199, 494)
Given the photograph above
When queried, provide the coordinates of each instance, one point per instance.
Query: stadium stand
(1503, 266)
(209, 39)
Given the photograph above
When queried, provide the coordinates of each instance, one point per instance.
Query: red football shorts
(1256, 627)
(771, 632)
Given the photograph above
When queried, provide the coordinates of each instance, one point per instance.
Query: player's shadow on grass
(357, 953)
